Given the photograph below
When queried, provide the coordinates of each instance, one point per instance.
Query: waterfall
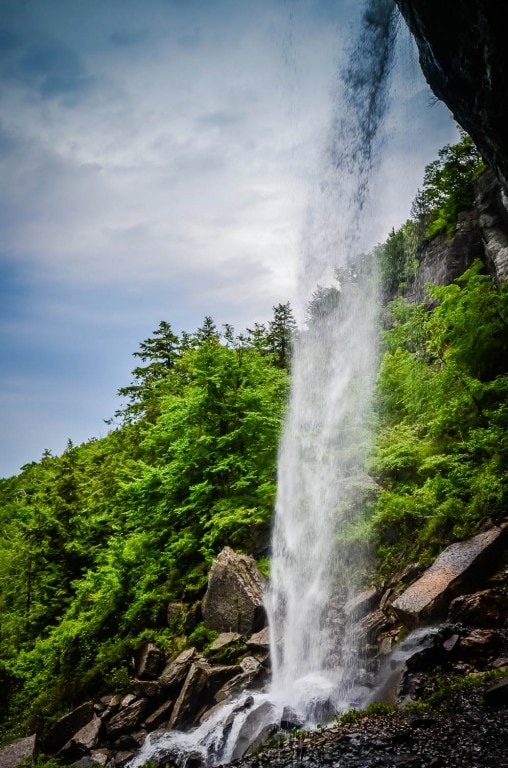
(325, 442)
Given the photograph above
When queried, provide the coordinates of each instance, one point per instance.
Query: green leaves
(442, 442)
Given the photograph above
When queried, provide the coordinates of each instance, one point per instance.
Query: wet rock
(234, 598)
(456, 567)
(497, 695)
(257, 727)
(236, 685)
(150, 662)
(488, 608)
(290, 720)
(361, 605)
(18, 750)
(61, 732)
(127, 719)
(176, 671)
(121, 758)
(260, 641)
(188, 702)
(370, 628)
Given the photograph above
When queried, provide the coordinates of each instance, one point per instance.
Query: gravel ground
(465, 733)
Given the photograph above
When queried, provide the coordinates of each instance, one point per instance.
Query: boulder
(176, 671)
(127, 719)
(18, 750)
(234, 598)
(479, 644)
(150, 662)
(227, 646)
(488, 608)
(147, 688)
(260, 641)
(82, 742)
(159, 716)
(64, 728)
(236, 685)
(257, 727)
(455, 569)
(189, 700)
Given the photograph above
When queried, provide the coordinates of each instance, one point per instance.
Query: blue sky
(156, 160)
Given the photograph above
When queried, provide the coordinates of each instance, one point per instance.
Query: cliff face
(481, 233)
(464, 56)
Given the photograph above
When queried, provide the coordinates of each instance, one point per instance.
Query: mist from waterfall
(325, 442)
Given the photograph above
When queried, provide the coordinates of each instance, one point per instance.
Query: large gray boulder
(19, 750)
(234, 599)
(455, 568)
(61, 731)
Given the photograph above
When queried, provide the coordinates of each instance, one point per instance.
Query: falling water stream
(321, 472)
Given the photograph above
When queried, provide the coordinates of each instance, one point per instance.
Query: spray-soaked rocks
(464, 732)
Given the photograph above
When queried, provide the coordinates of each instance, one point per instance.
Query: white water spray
(321, 476)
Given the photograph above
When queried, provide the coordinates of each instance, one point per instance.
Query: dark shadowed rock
(479, 644)
(60, 733)
(497, 695)
(19, 750)
(488, 608)
(148, 688)
(491, 205)
(150, 662)
(127, 719)
(455, 568)
(234, 599)
(176, 671)
(159, 716)
(464, 57)
(189, 701)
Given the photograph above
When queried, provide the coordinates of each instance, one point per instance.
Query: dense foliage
(96, 542)
(442, 446)
(447, 189)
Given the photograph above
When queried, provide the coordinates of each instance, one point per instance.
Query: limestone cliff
(464, 56)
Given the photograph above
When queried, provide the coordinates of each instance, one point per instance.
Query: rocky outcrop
(464, 56)
(481, 233)
(429, 597)
(442, 259)
(491, 207)
(234, 599)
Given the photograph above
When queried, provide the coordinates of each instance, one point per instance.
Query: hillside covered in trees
(95, 543)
